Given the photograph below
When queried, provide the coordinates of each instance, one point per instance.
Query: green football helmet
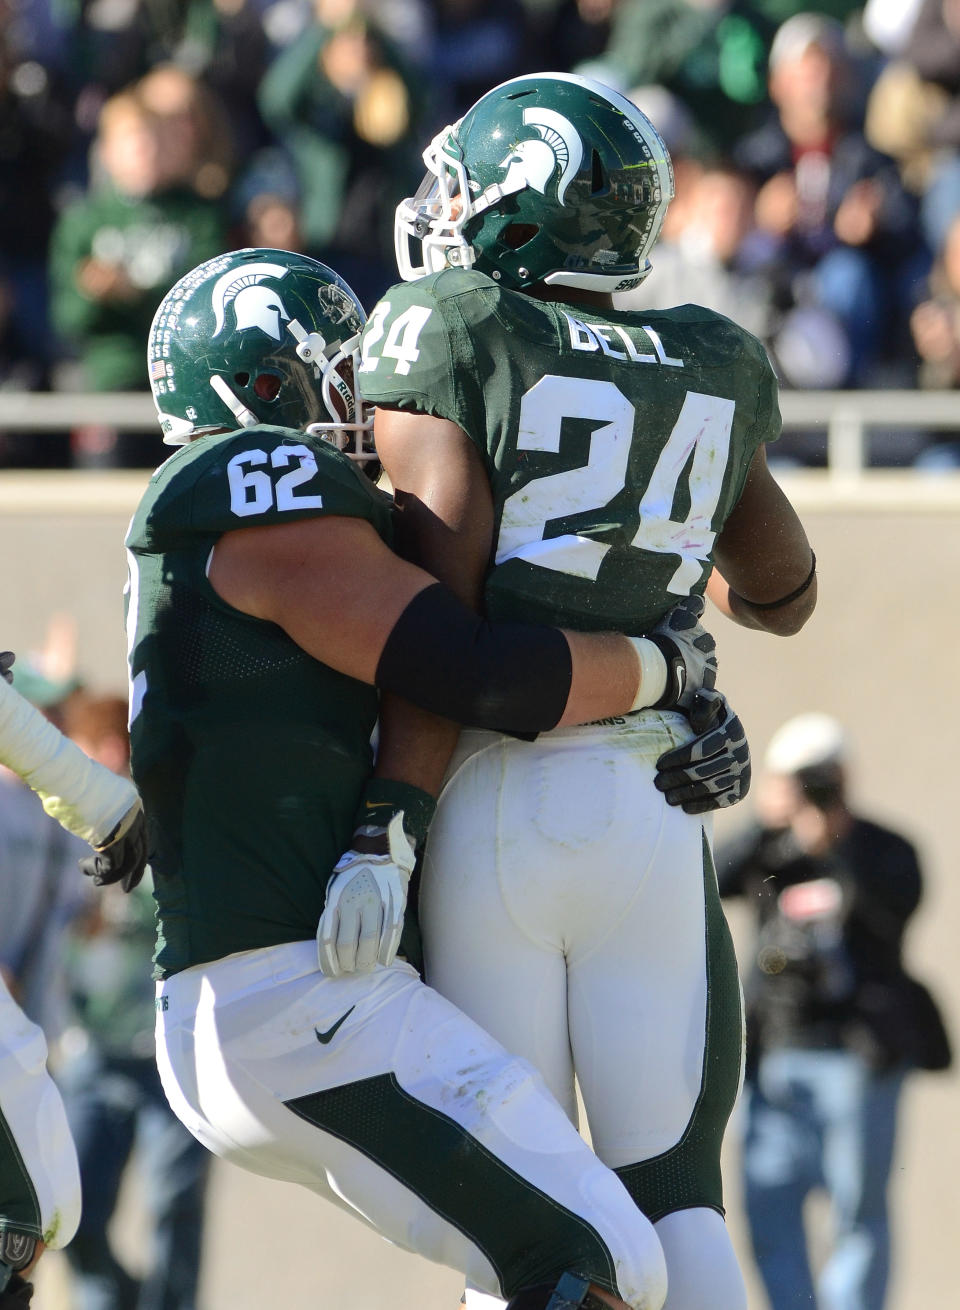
(548, 178)
(259, 336)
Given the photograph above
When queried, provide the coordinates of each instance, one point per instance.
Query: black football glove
(16, 1295)
(123, 856)
(712, 771)
(690, 652)
(17, 1252)
(6, 665)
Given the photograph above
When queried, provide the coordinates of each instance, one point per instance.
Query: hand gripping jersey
(616, 442)
(249, 754)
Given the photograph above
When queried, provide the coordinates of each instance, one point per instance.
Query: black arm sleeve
(512, 677)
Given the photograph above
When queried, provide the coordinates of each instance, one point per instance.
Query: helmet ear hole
(599, 180)
(517, 235)
(266, 386)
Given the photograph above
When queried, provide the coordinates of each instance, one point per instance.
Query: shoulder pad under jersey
(254, 476)
(418, 347)
(721, 345)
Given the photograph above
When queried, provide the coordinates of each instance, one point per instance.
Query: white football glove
(366, 897)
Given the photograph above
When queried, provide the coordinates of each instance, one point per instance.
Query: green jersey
(249, 754)
(616, 442)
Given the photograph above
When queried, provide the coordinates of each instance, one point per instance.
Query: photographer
(833, 1021)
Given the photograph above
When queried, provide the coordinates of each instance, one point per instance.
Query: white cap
(806, 741)
(795, 37)
(670, 115)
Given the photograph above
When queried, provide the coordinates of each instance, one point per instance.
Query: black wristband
(383, 797)
(790, 596)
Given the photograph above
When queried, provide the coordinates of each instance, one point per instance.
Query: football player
(558, 460)
(39, 1178)
(265, 608)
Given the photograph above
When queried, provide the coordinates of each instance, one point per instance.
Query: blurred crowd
(817, 152)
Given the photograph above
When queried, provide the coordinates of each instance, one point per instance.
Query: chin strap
(245, 417)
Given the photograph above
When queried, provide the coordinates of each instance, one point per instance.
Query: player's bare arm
(765, 576)
(344, 597)
(396, 627)
(446, 524)
(446, 511)
(445, 507)
(444, 521)
(442, 492)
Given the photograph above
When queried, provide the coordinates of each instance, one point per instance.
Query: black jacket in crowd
(833, 979)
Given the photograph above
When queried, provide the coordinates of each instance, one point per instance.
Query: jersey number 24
(703, 426)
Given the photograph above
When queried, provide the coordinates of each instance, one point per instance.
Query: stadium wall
(881, 653)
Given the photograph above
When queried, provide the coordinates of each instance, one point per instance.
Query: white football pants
(375, 1092)
(563, 908)
(39, 1176)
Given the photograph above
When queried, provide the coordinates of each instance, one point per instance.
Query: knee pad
(570, 1292)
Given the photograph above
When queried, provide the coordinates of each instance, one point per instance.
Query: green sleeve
(294, 92)
(767, 423)
(760, 380)
(650, 39)
(255, 477)
(200, 230)
(204, 228)
(72, 313)
(417, 354)
(778, 11)
(314, 122)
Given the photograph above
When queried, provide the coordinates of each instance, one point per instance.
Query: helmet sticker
(339, 305)
(254, 306)
(532, 162)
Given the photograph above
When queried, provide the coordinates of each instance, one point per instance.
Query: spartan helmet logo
(532, 162)
(254, 306)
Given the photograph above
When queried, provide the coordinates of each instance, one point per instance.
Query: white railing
(846, 415)
(57, 411)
